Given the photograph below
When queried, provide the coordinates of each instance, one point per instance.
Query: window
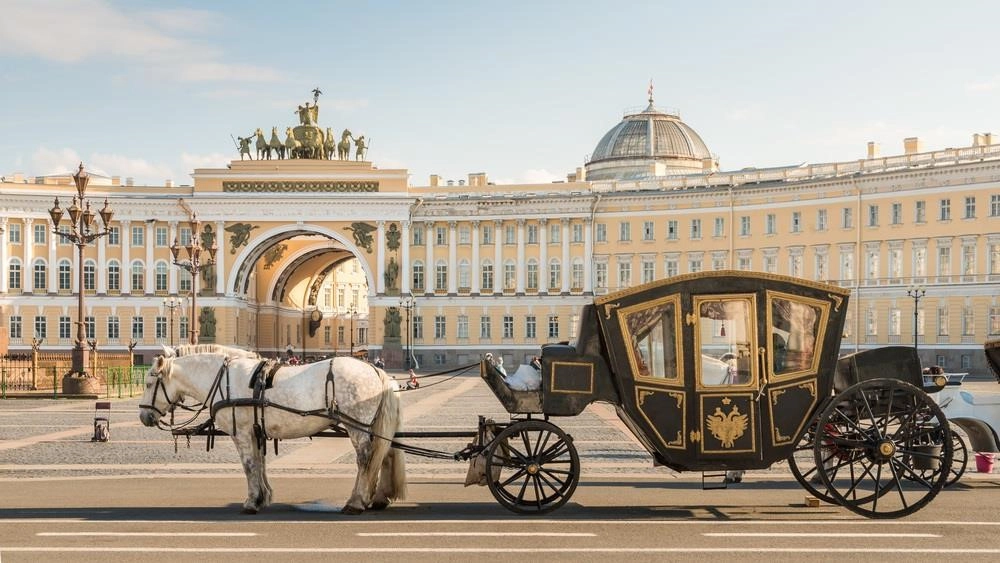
(821, 265)
(744, 263)
(14, 274)
(555, 233)
(821, 220)
(440, 327)
(624, 274)
(114, 328)
(577, 274)
(796, 221)
(672, 230)
(184, 280)
(745, 226)
(487, 275)
(161, 276)
(160, 326)
(602, 232)
(138, 236)
(897, 213)
(695, 229)
(64, 240)
(114, 276)
(624, 231)
(944, 261)
(895, 321)
(872, 260)
(486, 234)
(509, 275)
(464, 274)
(694, 264)
(327, 335)
(464, 235)
(847, 218)
(968, 260)
(648, 269)
(531, 327)
(138, 277)
(418, 275)
(441, 236)
(532, 234)
(532, 273)
(920, 212)
(509, 234)
(553, 327)
(895, 263)
(995, 205)
(65, 330)
(577, 230)
(770, 224)
(968, 321)
(40, 277)
(185, 235)
(601, 275)
(65, 277)
(770, 263)
(41, 327)
(846, 264)
(15, 327)
(871, 322)
(418, 236)
(341, 338)
(161, 237)
(970, 207)
(872, 215)
(14, 234)
(418, 327)
(89, 275)
(942, 321)
(484, 327)
(138, 328)
(670, 267)
(183, 322)
(555, 274)
(647, 230)
(508, 326)
(720, 227)
(40, 231)
(441, 276)
(463, 326)
(919, 261)
(945, 210)
(114, 236)
(994, 320)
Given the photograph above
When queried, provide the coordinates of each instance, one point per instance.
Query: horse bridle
(171, 404)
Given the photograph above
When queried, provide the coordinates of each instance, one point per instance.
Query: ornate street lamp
(915, 292)
(407, 303)
(353, 310)
(82, 232)
(172, 304)
(195, 249)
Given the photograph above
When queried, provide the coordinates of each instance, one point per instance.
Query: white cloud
(214, 160)
(542, 176)
(981, 87)
(70, 31)
(749, 113)
(48, 162)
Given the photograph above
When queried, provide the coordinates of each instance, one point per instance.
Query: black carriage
(729, 370)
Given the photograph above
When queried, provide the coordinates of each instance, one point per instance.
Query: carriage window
(795, 328)
(726, 338)
(652, 334)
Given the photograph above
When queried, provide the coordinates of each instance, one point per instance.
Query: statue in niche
(206, 323)
(392, 237)
(391, 322)
(391, 273)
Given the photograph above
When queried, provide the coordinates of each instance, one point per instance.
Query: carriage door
(726, 380)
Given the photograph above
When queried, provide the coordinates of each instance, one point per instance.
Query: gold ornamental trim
(307, 187)
(727, 427)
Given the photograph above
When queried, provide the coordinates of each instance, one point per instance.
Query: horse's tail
(386, 423)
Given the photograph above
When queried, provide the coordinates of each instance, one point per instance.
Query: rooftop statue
(277, 147)
(344, 147)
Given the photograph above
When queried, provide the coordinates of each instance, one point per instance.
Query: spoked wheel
(894, 444)
(802, 463)
(532, 467)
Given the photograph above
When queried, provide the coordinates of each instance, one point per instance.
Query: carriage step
(711, 481)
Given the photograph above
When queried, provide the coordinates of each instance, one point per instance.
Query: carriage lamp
(81, 233)
(193, 264)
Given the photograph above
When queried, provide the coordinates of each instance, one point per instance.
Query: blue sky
(520, 90)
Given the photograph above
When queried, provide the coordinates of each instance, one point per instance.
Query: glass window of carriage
(725, 336)
(650, 331)
(796, 326)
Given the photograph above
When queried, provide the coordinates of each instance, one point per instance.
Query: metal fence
(20, 374)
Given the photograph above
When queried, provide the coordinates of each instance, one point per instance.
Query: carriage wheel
(532, 467)
(802, 463)
(894, 444)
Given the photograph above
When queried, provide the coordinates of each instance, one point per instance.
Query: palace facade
(320, 257)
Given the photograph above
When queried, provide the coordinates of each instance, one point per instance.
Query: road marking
(293, 550)
(533, 522)
(815, 535)
(152, 534)
(478, 534)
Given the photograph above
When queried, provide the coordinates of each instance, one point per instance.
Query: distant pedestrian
(412, 383)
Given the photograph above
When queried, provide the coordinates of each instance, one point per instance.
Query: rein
(197, 408)
(457, 371)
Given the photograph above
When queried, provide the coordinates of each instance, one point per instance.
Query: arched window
(161, 276)
(114, 276)
(532, 273)
(14, 274)
(555, 274)
(89, 275)
(464, 274)
(418, 275)
(487, 281)
(40, 277)
(138, 277)
(441, 276)
(65, 275)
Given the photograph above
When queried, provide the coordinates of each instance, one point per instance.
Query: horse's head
(259, 133)
(161, 395)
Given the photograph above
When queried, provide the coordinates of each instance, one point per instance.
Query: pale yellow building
(458, 268)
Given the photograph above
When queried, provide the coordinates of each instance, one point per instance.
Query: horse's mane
(234, 353)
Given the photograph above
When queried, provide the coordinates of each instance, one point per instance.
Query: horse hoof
(379, 505)
(247, 510)
(352, 510)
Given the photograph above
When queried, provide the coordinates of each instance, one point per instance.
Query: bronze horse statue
(276, 145)
(344, 147)
(263, 149)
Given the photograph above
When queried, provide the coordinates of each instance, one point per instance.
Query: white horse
(299, 404)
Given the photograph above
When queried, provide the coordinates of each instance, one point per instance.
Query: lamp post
(915, 292)
(192, 265)
(82, 232)
(353, 310)
(407, 303)
(172, 304)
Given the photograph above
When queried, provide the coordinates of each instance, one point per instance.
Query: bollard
(55, 389)
(3, 382)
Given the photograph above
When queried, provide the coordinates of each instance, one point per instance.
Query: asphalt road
(133, 498)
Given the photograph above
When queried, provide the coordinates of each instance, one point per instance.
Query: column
(101, 269)
(520, 267)
(567, 267)
(220, 259)
(429, 257)
(588, 257)
(150, 239)
(476, 266)
(54, 262)
(452, 258)
(126, 241)
(28, 246)
(4, 268)
(405, 272)
(543, 256)
(380, 259)
(498, 281)
(173, 273)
